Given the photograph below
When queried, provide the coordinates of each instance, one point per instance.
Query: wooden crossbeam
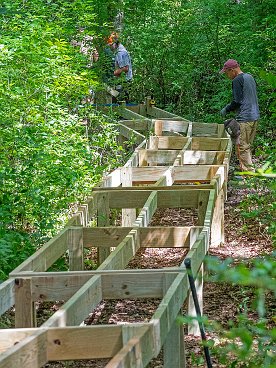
(46, 255)
(181, 198)
(31, 351)
(114, 285)
(209, 144)
(129, 133)
(6, 295)
(149, 237)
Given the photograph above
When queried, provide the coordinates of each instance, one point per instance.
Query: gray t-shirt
(245, 100)
(122, 59)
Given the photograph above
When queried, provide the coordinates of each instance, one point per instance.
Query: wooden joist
(183, 165)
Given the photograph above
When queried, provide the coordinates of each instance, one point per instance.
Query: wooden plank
(167, 311)
(111, 180)
(159, 113)
(103, 220)
(133, 285)
(209, 144)
(193, 327)
(147, 211)
(151, 157)
(203, 157)
(198, 251)
(133, 161)
(6, 295)
(24, 306)
(131, 134)
(30, 352)
(12, 336)
(203, 200)
(205, 129)
(139, 125)
(217, 224)
(174, 351)
(172, 143)
(136, 352)
(91, 342)
(150, 237)
(175, 126)
(42, 259)
(181, 198)
(124, 252)
(128, 214)
(120, 283)
(77, 308)
(128, 114)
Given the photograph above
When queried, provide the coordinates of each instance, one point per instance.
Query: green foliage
(248, 340)
(53, 149)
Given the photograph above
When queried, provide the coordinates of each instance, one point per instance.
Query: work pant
(247, 134)
(124, 89)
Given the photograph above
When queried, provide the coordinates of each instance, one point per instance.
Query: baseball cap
(229, 64)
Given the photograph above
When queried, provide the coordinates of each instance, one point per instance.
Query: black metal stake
(188, 265)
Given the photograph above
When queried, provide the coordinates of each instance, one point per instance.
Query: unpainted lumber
(42, 259)
(74, 311)
(24, 306)
(103, 220)
(150, 237)
(75, 248)
(136, 352)
(6, 295)
(169, 307)
(90, 342)
(29, 352)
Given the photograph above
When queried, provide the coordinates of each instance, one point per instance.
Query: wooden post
(174, 349)
(153, 142)
(75, 247)
(103, 220)
(193, 327)
(24, 305)
(202, 206)
(128, 214)
(158, 127)
(217, 227)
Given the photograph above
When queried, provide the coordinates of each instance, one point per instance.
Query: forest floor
(244, 241)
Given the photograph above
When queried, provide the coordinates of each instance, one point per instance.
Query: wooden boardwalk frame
(183, 164)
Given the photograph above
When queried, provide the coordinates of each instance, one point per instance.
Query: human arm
(119, 71)
(237, 89)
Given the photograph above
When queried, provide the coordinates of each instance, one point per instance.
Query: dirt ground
(222, 302)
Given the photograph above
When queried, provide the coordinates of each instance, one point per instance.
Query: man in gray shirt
(245, 105)
(122, 66)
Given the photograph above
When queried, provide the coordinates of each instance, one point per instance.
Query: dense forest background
(54, 147)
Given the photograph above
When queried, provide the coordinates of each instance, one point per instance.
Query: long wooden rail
(183, 164)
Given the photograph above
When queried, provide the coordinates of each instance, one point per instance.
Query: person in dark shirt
(245, 105)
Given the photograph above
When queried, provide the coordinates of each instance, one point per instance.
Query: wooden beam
(75, 248)
(77, 308)
(137, 350)
(165, 315)
(91, 342)
(103, 220)
(6, 295)
(29, 352)
(150, 237)
(42, 259)
(24, 306)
